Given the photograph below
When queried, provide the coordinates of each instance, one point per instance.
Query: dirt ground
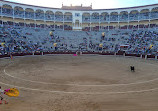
(82, 83)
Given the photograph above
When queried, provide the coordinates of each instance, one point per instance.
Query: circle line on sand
(88, 93)
(84, 85)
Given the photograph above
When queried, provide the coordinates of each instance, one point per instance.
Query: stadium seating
(26, 29)
(21, 39)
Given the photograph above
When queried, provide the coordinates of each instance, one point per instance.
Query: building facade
(78, 17)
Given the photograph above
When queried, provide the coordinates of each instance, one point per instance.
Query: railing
(85, 52)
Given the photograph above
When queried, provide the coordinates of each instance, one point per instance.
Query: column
(13, 18)
(44, 20)
(54, 21)
(90, 23)
(35, 19)
(108, 25)
(138, 20)
(63, 22)
(128, 21)
(109, 22)
(24, 13)
(1, 16)
(118, 18)
(13, 12)
(149, 20)
(99, 22)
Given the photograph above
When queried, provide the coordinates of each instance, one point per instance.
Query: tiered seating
(21, 39)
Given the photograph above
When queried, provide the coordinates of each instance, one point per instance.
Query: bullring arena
(76, 58)
(80, 83)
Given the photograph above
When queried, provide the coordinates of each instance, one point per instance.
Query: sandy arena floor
(82, 83)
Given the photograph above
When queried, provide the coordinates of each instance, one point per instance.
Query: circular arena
(91, 82)
(76, 58)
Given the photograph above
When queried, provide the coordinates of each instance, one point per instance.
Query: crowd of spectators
(59, 17)
(140, 41)
(144, 16)
(67, 17)
(86, 18)
(39, 15)
(114, 18)
(49, 16)
(18, 13)
(123, 17)
(95, 18)
(7, 11)
(13, 39)
(29, 15)
(104, 18)
(154, 14)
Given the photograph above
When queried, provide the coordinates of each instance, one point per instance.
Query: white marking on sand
(110, 85)
(88, 93)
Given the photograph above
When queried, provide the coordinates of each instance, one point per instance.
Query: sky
(96, 4)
